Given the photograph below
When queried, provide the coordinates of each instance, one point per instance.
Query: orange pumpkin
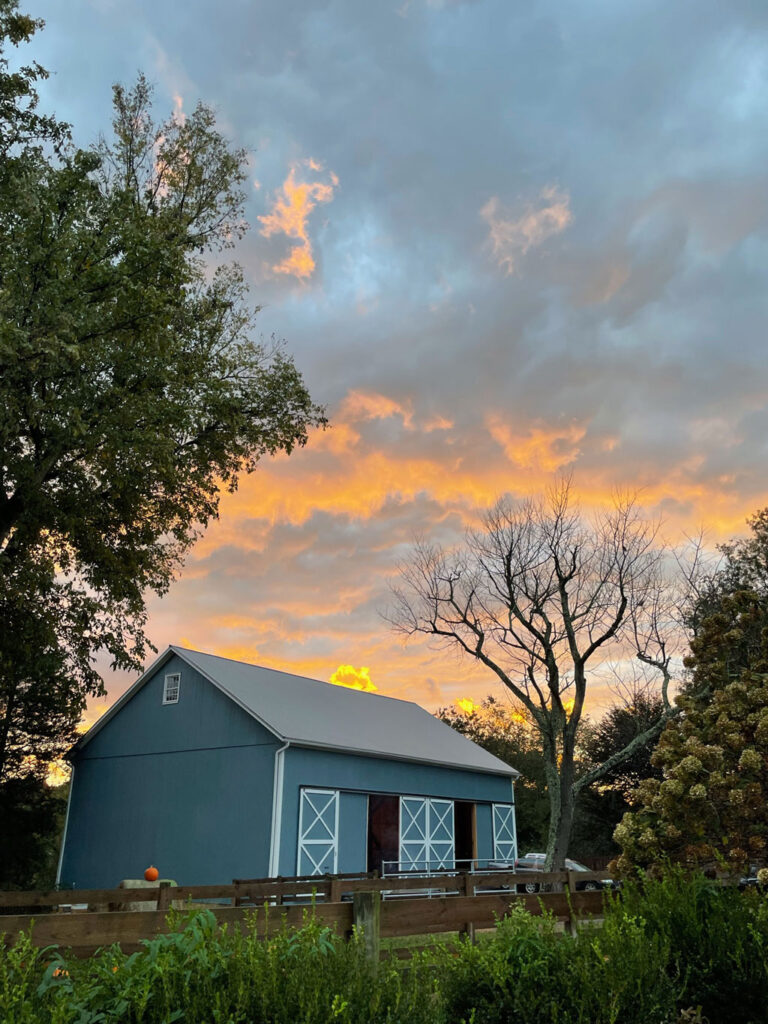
(151, 874)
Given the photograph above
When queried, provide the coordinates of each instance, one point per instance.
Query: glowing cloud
(292, 205)
(359, 406)
(511, 237)
(467, 706)
(178, 108)
(540, 446)
(353, 678)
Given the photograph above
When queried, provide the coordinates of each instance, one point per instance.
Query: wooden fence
(86, 919)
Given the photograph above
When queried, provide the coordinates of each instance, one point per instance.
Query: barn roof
(310, 713)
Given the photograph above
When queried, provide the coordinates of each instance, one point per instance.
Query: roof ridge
(296, 675)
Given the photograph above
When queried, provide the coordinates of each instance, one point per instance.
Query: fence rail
(383, 907)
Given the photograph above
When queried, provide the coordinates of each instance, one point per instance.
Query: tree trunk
(561, 811)
(5, 728)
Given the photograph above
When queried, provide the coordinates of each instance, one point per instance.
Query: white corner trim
(277, 811)
(66, 826)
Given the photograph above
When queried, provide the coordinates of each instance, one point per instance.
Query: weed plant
(681, 949)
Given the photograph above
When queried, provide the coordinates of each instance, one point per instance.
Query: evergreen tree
(710, 803)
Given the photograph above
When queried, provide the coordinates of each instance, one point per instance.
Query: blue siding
(187, 787)
(353, 827)
(363, 775)
(484, 821)
(204, 717)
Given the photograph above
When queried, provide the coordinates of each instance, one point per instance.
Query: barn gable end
(213, 769)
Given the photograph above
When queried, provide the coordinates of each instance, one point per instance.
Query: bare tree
(543, 598)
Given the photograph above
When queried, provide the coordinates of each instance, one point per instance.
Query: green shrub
(716, 940)
(667, 951)
(203, 973)
(530, 974)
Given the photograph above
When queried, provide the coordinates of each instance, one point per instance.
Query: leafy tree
(540, 597)
(32, 815)
(131, 387)
(506, 732)
(20, 123)
(601, 807)
(711, 802)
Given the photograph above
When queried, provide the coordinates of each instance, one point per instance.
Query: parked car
(535, 862)
(752, 881)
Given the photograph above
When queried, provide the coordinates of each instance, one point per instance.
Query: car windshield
(574, 865)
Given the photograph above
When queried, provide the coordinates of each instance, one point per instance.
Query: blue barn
(214, 769)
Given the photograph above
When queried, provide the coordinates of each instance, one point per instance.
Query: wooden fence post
(164, 896)
(366, 915)
(570, 888)
(467, 888)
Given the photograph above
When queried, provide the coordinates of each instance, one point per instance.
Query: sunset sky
(502, 241)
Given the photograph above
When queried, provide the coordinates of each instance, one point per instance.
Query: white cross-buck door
(426, 834)
(504, 840)
(318, 832)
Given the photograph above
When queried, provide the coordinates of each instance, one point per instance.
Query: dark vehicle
(535, 862)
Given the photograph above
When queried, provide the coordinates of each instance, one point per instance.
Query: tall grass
(668, 951)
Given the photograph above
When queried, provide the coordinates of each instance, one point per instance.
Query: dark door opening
(465, 832)
(383, 830)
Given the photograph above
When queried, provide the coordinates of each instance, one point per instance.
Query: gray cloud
(628, 339)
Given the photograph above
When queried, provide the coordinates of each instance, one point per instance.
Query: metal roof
(310, 713)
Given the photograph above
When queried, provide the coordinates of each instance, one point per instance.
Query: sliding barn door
(318, 832)
(426, 834)
(504, 838)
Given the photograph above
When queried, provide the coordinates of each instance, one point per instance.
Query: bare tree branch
(538, 594)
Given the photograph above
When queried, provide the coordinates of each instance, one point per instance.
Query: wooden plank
(445, 914)
(324, 886)
(263, 892)
(57, 897)
(86, 932)
(302, 878)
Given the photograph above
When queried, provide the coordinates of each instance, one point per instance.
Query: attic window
(171, 688)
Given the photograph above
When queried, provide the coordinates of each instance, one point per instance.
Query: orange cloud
(542, 447)
(359, 406)
(337, 474)
(511, 237)
(291, 208)
(354, 678)
(178, 109)
(438, 423)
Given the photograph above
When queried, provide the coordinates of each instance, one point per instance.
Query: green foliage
(20, 123)
(600, 807)
(131, 387)
(203, 973)
(32, 817)
(711, 804)
(677, 949)
(715, 943)
(506, 731)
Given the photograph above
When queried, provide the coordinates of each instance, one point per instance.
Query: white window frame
(172, 688)
(504, 832)
(308, 848)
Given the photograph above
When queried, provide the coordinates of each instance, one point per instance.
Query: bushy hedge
(668, 951)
